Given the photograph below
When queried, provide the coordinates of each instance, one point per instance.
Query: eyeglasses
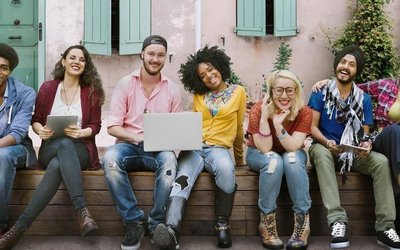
(279, 91)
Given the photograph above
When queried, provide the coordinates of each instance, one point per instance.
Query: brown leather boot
(301, 231)
(11, 237)
(85, 220)
(269, 234)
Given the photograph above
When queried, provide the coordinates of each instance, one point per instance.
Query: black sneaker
(339, 236)
(389, 239)
(133, 235)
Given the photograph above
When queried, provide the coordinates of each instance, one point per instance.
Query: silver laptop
(172, 131)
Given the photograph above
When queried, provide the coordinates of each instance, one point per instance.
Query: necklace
(65, 96)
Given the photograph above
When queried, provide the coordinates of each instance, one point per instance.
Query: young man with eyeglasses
(143, 91)
(342, 114)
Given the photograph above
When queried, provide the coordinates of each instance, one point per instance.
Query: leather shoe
(86, 222)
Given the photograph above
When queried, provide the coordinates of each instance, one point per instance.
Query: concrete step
(187, 242)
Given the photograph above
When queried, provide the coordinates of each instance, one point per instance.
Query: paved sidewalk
(187, 243)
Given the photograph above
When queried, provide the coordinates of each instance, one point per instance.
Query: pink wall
(252, 57)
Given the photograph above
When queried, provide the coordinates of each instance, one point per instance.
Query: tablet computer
(58, 123)
(349, 147)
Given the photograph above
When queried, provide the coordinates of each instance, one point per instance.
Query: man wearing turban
(342, 114)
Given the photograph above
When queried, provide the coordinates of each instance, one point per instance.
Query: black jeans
(388, 143)
(63, 158)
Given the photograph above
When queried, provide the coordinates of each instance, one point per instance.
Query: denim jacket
(19, 108)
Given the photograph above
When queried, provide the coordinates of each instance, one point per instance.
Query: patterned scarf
(350, 112)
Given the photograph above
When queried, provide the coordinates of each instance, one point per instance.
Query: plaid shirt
(383, 93)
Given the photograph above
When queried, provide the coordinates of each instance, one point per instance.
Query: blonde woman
(277, 127)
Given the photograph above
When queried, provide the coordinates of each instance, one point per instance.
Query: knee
(380, 163)
(6, 160)
(64, 142)
(295, 160)
(182, 186)
(111, 160)
(274, 164)
(319, 155)
(167, 159)
(167, 173)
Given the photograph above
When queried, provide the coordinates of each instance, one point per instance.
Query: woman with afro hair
(222, 105)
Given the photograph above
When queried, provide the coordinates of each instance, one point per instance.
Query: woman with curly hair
(222, 105)
(76, 90)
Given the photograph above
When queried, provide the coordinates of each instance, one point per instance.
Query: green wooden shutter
(250, 17)
(134, 25)
(285, 15)
(97, 37)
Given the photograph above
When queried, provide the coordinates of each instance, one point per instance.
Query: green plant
(370, 30)
(282, 60)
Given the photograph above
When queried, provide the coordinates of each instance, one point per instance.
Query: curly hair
(8, 53)
(90, 77)
(209, 55)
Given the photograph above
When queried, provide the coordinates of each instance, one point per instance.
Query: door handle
(40, 29)
(15, 37)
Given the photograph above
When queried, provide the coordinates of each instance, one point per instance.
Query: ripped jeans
(216, 160)
(122, 158)
(272, 166)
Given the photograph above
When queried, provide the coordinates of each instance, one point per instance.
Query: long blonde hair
(298, 101)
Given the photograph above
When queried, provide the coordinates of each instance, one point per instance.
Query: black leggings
(64, 158)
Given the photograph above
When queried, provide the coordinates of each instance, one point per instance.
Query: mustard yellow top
(226, 127)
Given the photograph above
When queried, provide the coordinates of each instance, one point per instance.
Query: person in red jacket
(76, 90)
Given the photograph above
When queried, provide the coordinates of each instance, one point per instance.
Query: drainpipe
(197, 25)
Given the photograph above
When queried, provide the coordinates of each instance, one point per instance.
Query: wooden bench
(59, 218)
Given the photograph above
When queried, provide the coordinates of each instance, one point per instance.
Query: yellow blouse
(226, 127)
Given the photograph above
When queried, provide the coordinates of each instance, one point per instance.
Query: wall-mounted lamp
(223, 40)
(170, 55)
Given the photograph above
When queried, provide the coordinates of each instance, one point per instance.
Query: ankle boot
(223, 210)
(269, 234)
(301, 231)
(166, 236)
(85, 220)
(11, 237)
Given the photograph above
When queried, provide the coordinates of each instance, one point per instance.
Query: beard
(345, 80)
(151, 71)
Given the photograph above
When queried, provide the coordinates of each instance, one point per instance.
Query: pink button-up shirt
(129, 101)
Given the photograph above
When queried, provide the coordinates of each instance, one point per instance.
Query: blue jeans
(11, 158)
(216, 160)
(122, 158)
(272, 166)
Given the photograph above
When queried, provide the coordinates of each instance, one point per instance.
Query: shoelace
(338, 229)
(9, 234)
(84, 212)
(392, 235)
(271, 227)
(299, 227)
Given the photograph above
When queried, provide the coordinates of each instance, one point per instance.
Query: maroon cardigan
(91, 114)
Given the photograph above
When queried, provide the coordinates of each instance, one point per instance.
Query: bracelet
(327, 142)
(283, 135)
(264, 135)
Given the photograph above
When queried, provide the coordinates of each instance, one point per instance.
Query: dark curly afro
(188, 71)
(9, 54)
